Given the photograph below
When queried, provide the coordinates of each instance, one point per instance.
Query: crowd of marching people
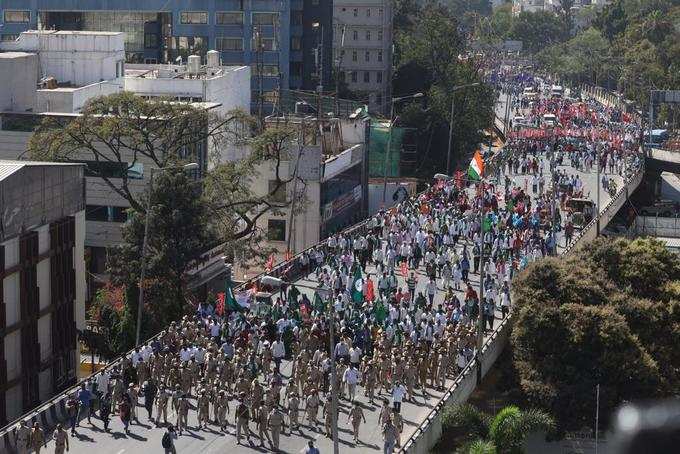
(403, 293)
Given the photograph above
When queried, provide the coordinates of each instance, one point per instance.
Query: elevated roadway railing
(428, 433)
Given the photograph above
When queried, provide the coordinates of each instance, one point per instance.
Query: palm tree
(503, 433)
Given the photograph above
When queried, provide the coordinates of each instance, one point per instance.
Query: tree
(606, 315)
(430, 62)
(121, 130)
(179, 232)
(504, 432)
(538, 30)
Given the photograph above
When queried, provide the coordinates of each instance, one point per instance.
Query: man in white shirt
(351, 378)
(278, 352)
(398, 393)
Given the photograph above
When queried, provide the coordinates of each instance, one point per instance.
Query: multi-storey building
(277, 38)
(42, 281)
(54, 73)
(362, 43)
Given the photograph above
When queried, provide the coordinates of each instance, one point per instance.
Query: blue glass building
(288, 33)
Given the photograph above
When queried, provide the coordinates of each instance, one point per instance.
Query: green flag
(380, 311)
(357, 286)
(230, 302)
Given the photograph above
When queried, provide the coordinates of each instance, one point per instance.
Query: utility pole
(338, 68)
(259, 64)
(480, 315)
(448, 154)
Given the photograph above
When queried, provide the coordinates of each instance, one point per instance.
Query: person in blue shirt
(84, 397)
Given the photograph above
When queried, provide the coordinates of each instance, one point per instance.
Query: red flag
(269, 264)
(404, 269)
(219, 308)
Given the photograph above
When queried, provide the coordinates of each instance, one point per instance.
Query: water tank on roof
(193, 64)
(213, 59)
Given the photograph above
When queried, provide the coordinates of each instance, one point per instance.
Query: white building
(333, 166)
(54, 81)
(362, 44)
(43, 281)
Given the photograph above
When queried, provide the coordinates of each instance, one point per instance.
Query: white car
(550, 120)
(519, 121)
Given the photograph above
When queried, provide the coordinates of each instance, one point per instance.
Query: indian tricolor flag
(476, 169)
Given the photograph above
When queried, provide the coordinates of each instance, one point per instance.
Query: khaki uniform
(22, 439)
(203, 404)
(162, 406)
(275, 422)
(242, 422)
(356, 414)
(37, 439)
(182, 414)
(60, 441)
(293, 412)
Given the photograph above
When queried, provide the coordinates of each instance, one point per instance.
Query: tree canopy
(429, 53)
(477, 432)
(608, 314)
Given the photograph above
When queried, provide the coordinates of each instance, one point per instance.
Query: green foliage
(428, 61)
(478, 432)
(641, 49)
(178, 235)
(608, 314)
(538, 30)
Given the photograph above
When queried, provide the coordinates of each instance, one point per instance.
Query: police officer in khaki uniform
(242, 417)
(276, 426)
(293, 411)
(203, 404)
(22, 437)
(356, 414)
(60, 440)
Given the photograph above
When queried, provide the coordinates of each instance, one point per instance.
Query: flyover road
(145, 437)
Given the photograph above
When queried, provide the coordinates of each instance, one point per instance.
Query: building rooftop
(71, 32)
(8, 167)
(150, 71)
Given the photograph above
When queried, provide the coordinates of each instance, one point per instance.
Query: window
(380, 12)
(354, 76)
(380, 35)
(268, 44)
(297, 18)
(267, 70)
(367, 56)
(229, 18)
(368, 35)
(368, 12)
(295, 43)
(367, 77)
(356, 12)
(355, 35)
(150, 41)
(378, 100)
(111, 169)
(9, 37)
(354, 55)
(296, 69)
(315, 2)
(193, 17)
(277, 195)
(17, 17)
(378, 77)
(120, 68)
(103, 213)
(223, 43)
(379, 55)
(276, 230)
(265, 18)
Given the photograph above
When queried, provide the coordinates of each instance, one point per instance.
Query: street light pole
(480, 316)
(145, 244)
(323, 292)
(453, 97)
(389, 140)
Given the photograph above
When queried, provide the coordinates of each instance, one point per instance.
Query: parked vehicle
(582, 211)
(663, 208)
